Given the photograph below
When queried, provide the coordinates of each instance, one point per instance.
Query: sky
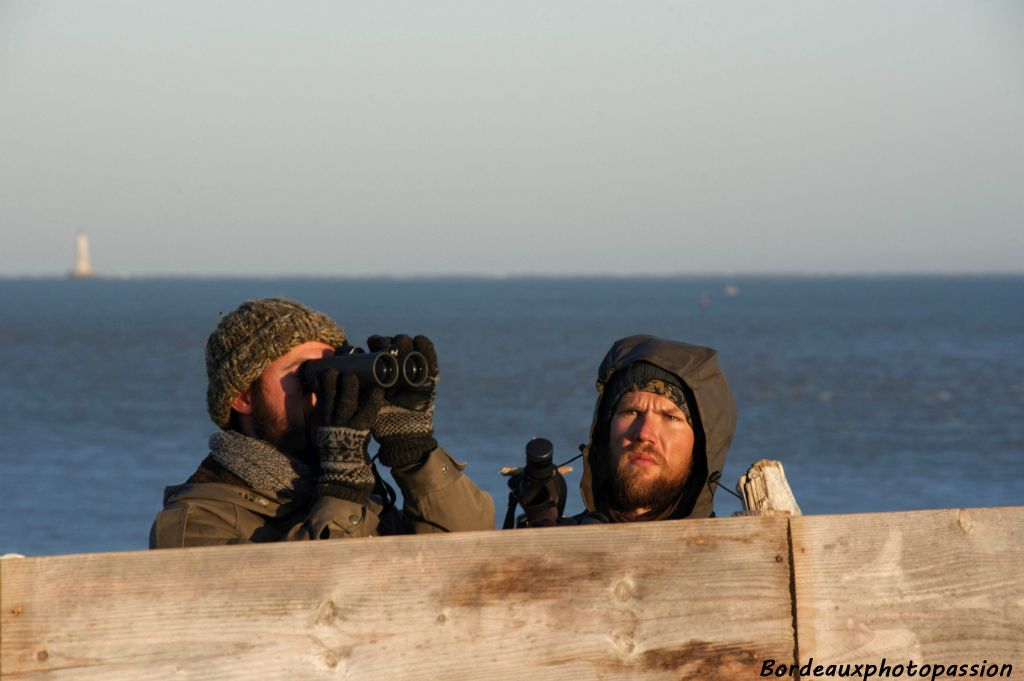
(237, 138)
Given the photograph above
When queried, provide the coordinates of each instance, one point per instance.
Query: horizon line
(768, 274)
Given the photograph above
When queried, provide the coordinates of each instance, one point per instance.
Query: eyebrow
(673, 410)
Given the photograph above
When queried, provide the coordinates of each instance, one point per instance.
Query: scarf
(260, 465)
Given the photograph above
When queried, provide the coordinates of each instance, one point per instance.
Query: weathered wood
(936, 587)
(765, 490)
(508, 471)
(704, 599)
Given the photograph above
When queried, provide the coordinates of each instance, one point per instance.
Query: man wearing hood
(290, 461)
(662, 428)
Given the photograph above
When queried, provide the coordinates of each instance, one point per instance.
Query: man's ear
(243, 403)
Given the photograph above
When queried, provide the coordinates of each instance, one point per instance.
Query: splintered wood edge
(764, 488)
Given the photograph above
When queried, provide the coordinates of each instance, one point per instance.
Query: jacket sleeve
(190, 524)
(335, 518)
(210, 522)
(439, 497)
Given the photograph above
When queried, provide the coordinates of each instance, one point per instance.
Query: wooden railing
(708, 599)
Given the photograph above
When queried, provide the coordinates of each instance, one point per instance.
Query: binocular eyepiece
(385, 369)
(539, 464)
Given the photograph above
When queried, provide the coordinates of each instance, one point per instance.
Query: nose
(643, 428)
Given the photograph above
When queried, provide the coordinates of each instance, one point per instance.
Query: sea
(876, 393)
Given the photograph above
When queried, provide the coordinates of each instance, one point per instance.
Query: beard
(636, 487)
(276, 429)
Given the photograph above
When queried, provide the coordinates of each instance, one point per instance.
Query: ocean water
(877, 394)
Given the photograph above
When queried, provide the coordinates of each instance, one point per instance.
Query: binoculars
(385, 369)
(538, 487)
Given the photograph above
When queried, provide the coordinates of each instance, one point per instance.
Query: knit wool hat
(646, 377)
(248, 339)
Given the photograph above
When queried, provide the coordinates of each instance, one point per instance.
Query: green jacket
(437, 498)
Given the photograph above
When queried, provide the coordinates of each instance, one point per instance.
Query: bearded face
(651, 451)
(273, 426)
(279, 404)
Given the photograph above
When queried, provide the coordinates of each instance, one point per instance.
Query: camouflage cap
(646, 377)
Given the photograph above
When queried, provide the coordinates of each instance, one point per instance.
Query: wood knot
(42, 656)
(624, 590)
(17, 610)
(965, 520)
(778, 557)
(441, 619)
(624, 641)
(326, 613)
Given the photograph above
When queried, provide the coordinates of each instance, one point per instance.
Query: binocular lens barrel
(373, 368)
(414, 369)
(539, 453)
(385, 369)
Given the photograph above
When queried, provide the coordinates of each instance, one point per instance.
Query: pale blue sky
(337, 138)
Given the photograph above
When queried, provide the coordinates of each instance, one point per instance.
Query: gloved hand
(344, 434)
(405, 425)
(542, 500)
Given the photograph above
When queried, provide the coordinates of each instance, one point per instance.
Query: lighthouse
(82, 268)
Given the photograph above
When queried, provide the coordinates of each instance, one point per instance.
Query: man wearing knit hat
(662, 427)
(291, 464)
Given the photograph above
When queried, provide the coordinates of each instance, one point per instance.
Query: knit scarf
(260, 465)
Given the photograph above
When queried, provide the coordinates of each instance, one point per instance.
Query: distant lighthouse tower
(82, 269)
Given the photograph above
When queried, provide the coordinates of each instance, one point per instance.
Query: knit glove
(542, 500)
(343, 437)
(405, 425)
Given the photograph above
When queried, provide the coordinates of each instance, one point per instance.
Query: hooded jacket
(712, 410)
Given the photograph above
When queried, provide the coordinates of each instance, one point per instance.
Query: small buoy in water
(732, 290)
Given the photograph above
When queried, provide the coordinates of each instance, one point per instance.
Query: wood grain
(701, 599)
(937, 587)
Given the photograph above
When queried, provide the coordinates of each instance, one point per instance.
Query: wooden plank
(707, 599)
(936, 587)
